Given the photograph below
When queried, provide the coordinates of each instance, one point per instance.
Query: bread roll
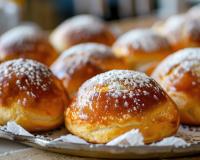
(81, 29)
(118, 101)
(26, 42)
(142, 49)
(82, 62)
(31, 96)
(182, 31)
(179, 75)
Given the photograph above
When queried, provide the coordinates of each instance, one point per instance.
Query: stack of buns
(87, 82)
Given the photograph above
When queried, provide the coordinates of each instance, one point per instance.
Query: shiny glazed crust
(81, 29)
(117, 101)
(31, 95)
(83, 61)
(26, 42)
(142, 48)
(179, 75)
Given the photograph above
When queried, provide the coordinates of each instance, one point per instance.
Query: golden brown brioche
(179, 75)
(83, 61)
(26, 42)
(31, 95)
(182, 31)
(81, 29)
(142, 49)
(117, 101)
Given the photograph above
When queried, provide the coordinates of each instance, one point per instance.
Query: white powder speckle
(80, 56)
(131, 86)
(126, 104)
(143, 39)
(182, 62)
(29, 75)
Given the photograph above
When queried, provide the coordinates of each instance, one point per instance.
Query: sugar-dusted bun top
(117, 94)
(180, 71)
(81, 29)
(144, 40)
(85, 23)
(26, 42)
(174, 22)
(87, 54)
(89, 50)
(27, 82)
(17, 36)
(182, 29)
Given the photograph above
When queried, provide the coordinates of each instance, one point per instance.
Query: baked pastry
(117, 101)
(81, 29)
(182, 31)
(26, 42)
(179, 75)
(31, 95)
(83, 61)
(142, 49)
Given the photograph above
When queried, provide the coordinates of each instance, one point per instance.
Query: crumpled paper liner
(185, 136)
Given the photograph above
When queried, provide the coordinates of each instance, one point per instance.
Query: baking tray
(44, 142)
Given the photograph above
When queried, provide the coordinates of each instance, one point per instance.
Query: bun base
(155, 124)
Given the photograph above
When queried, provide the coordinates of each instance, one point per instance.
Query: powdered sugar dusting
(78, 56)
(180, 27)
(17, 36)
(83, 23)
(90, 49)
(122, 89)
(27, 76)
(181, 62)
(143, 39)
(174, 23)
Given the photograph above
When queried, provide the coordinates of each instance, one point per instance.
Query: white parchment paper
(131, 138)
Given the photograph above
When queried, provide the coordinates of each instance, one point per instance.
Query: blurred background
(49, 13)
